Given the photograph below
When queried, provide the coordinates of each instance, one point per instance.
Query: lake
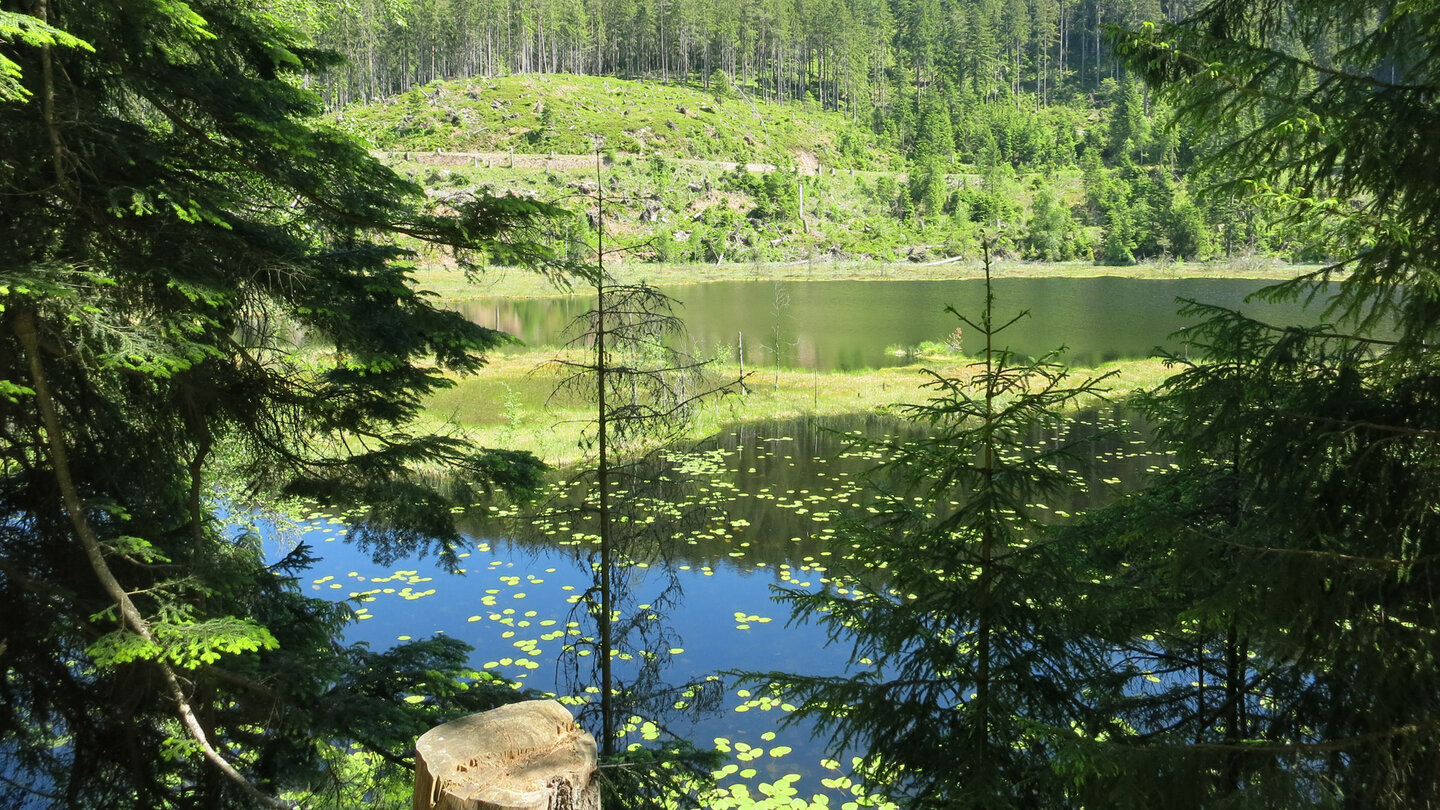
(847, 325)
(720, 527)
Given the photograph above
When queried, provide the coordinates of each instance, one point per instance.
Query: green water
(843, 325)
(719, 527)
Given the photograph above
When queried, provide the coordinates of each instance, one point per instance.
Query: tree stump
(525, 756)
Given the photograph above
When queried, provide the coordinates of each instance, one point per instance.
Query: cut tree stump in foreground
(525, 756)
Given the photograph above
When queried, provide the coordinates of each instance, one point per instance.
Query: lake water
(757, 508)
(845, 325)
(718, 528)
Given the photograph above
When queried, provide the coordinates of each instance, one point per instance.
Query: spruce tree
(970, 671)
(644, 391)
(1288, 566)
(206, 302)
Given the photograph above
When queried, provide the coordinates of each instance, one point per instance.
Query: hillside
(719, 177)
(689, 177)
(564, 113)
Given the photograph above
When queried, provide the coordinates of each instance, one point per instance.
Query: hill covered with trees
(705, 176)
(872, 59)
(1008, 114)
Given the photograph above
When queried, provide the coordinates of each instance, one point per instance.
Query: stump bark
(525, 756)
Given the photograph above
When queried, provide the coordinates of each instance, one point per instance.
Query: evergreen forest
(238, 241)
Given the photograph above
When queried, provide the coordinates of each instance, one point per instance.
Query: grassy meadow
(513, 403)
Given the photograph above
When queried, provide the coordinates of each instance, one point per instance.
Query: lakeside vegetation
(714, 180)
(512, 402)
(452, 286)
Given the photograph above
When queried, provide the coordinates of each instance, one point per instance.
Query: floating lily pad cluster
(734, 518)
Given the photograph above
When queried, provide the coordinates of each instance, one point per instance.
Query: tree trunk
(525, 756)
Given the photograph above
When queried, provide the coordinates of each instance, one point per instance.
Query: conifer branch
(27, 332)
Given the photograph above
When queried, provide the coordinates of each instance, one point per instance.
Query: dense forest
(210, 325)
(871, 58)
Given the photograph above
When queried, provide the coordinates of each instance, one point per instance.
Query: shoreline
(511, 402)
(450, 285)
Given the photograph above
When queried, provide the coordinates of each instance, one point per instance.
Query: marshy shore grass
(513, 402)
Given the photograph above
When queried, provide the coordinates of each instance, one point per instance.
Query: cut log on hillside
(525, 756)
(950, 260)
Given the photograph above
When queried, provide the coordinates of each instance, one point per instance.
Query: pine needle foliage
(965, 673)
(1337, 114)
(644, 387)
(1274, 590)
(206, 302)
(1281, 580)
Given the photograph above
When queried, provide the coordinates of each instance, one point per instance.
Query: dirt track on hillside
(806, 163)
